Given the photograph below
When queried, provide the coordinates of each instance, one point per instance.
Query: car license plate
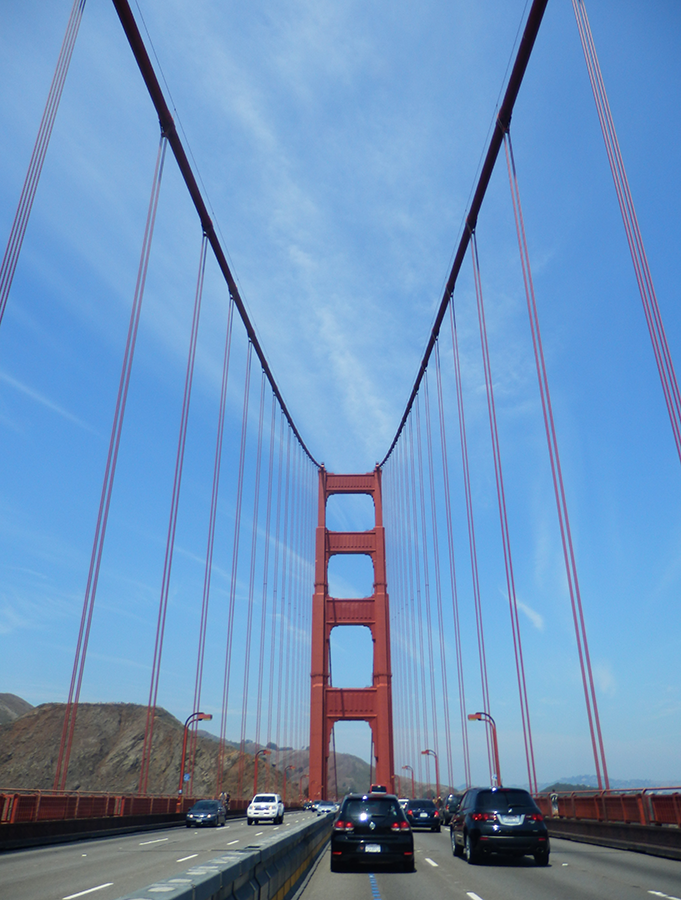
(372, 848)
(511, 820)
(423, 815)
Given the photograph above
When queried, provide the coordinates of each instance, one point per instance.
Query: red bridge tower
(370, 704)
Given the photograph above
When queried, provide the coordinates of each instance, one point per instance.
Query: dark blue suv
(499, 820)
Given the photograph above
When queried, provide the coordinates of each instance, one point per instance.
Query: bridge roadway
(576, 872)
(124, 864)
(108, 868)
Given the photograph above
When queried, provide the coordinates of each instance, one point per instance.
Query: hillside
(11, 707)
(107, 747)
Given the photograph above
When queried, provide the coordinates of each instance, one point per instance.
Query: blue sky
(338, 145)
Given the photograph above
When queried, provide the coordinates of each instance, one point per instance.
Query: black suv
(499, 820)
(371, 829)
(423, 814)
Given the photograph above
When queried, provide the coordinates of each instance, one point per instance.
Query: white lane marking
(88, 891)
(157, 841)
(432, 862)
(185, 858)
(232, 842)
(660, 894)
(258, 833)
(473, 896)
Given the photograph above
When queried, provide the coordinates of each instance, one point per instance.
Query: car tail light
(437, 814)
(535, 817)
(340, 825)
(410, 812)
(484, 817)
(399, 826)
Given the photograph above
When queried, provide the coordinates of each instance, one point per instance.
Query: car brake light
(410, 812)
(484, 817)
(437, 814)
(536, 817)
(399, 826)
(340, 825)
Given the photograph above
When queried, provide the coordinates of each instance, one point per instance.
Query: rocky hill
(107, 749)
(11, 707)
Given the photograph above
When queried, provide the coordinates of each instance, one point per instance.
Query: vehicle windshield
(503, 801)
(364, 809)
(206, 804)
(264, 798)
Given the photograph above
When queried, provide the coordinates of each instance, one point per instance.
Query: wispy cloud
(45, 402)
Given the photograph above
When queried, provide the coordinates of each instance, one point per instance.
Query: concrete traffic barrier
(272, 869)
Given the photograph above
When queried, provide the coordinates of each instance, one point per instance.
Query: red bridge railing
(649, 806)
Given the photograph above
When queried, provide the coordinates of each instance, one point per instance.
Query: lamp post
(292, 768)
(197, 716)
(485, 717)
(263, 752)
(437, 769)
(413, 789)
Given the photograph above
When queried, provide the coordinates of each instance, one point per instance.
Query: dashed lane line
(232, 842)
(664, 896)
(88, 891)
(185, 858)
(473, 896)
(157, 841)
(432, 862)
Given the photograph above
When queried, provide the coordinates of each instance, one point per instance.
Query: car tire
(249, 821)
(336, 865)
(541, 857)
(409, 865)
(456, 849)
(472, 856)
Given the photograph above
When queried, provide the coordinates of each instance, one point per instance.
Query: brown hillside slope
(11, 707)
(107, 749)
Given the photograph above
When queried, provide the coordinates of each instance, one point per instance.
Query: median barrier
(652, 839)
(272, 869)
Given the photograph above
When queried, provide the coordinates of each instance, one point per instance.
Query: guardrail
(647, 806)
(18, 806)
(274, 868)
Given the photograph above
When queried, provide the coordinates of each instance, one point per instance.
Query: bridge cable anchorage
(532, 24)
(557, 475)
(233, 574)
(210, 544)
(438, 585)
(16, 238)
(172, 526)
(472, 545)
(251, 588)
(503, 521)
(658, 337)
(107, 486)
(452, 571)
(165, 117)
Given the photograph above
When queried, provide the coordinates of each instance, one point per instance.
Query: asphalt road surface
(575, 872)
(108, 868)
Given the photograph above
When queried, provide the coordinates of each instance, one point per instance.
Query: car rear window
(264, 798)
(372, 808)
(206, 804)
(504, 800)
(421, 804)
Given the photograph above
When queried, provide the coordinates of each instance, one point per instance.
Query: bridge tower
(371, 704)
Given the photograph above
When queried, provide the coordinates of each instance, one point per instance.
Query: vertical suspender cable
(556, 472)
(251, 588)
(107, 486)
(438, 586)
(235, 565)
(651, 308)
(503, 520)
(210, 544)
(172, 526)
(35, 167)
(452, 574)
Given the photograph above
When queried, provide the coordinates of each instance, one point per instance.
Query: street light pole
(485, 717)
(263, 752)
(413, 789)
(197, 716)
(437, 769)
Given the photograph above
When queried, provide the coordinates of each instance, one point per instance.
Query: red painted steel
(328, 704)
(650, 806)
